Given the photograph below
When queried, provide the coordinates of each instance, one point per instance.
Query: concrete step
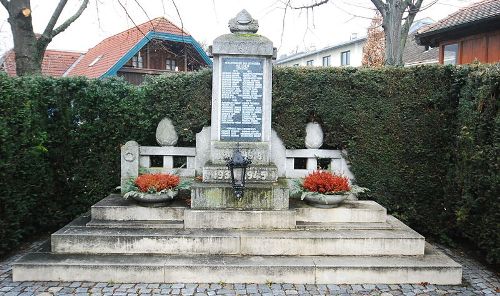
(400, 240)
(357, 226)
(351, 211)
(434, 267)
(238, 219)
(136, 224)
(115, 208)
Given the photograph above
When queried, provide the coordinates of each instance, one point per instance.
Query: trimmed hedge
(424, 139)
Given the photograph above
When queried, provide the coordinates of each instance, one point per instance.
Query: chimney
(354, 36)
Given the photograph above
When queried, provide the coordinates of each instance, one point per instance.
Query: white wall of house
(354, 48)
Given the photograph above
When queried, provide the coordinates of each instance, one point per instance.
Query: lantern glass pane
(238, 176)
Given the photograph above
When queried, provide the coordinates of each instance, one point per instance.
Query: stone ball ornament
(314, 135)
(165, 133)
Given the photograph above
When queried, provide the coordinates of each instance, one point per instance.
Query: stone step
(115, 208)
(135, 224)
(237, 219)
(349, 211)
(357, 226)
(434, 267)
(400, 240)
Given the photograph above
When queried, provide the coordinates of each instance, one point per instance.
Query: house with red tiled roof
(55, 62)
(154, 47)
(470, 34)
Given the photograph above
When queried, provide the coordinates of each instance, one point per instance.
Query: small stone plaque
(241, 99)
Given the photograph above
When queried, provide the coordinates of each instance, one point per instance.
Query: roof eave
(433, 37)
(113, 70)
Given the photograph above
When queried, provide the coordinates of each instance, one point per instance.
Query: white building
(348, 53)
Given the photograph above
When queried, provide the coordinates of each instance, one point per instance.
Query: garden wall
(424, 139)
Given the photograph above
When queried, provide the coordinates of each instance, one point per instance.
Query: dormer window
(137, 60)
(95, 61)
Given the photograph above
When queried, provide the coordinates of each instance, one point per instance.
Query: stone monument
(241, 119)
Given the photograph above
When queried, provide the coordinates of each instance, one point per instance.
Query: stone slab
(434, 267)
(400, 240)
(258, 196)
(349, 211)
(136, 224)
(344, 225)
(255, 173)
(236, 219)
(115, 208)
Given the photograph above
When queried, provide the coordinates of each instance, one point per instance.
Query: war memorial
(243, 223)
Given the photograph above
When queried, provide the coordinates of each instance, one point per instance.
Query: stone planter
(152, 199)
(324, 201)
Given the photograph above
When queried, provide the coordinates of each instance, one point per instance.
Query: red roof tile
(99, 59)
(485, 9)
(55, 62)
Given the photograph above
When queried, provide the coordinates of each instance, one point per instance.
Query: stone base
(257, 196)
(434, 268)
(236, 219)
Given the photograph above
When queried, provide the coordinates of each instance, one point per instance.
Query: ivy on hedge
(424, 139)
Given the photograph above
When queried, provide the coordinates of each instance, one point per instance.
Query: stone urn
(325, 201)
(152, 199)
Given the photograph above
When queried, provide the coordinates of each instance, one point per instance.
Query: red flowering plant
(326, 182)
(156, 184)
(321, 184)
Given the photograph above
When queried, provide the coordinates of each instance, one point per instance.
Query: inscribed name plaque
(241, 99)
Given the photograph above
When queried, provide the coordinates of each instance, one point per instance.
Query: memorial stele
(241, 118)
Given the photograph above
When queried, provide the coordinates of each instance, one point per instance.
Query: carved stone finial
(243, 23)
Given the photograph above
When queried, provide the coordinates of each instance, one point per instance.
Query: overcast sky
(206, 19)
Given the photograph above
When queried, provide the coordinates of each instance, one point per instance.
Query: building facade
(348, 53)
(470, 34)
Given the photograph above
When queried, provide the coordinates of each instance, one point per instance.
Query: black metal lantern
(238, 166)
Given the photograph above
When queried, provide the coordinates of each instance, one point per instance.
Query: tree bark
(28, 58)
(28, 48)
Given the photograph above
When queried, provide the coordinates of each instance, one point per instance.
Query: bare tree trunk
(392, 32)
(395, 31)
(28, 58)
(28, 48)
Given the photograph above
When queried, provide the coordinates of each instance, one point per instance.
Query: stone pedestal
(258, 196)
(241, 119)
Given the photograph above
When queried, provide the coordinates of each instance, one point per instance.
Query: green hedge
(424, 139)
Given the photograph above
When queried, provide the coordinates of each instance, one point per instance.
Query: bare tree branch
(70, 20)
(47, 33)
(5, 3)
(131, 19)
(143, 10)
(315, 4)
(283, 22)
(380, 6)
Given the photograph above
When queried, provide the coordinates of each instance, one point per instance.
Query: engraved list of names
(241, 99)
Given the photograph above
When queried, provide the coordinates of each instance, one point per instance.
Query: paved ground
(477, 280)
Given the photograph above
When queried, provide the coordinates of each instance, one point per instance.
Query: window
(450, 54)
(137, 60)
(310, 62)
(326, 61)
(95, 61)
(170, 65)
(345, 58)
